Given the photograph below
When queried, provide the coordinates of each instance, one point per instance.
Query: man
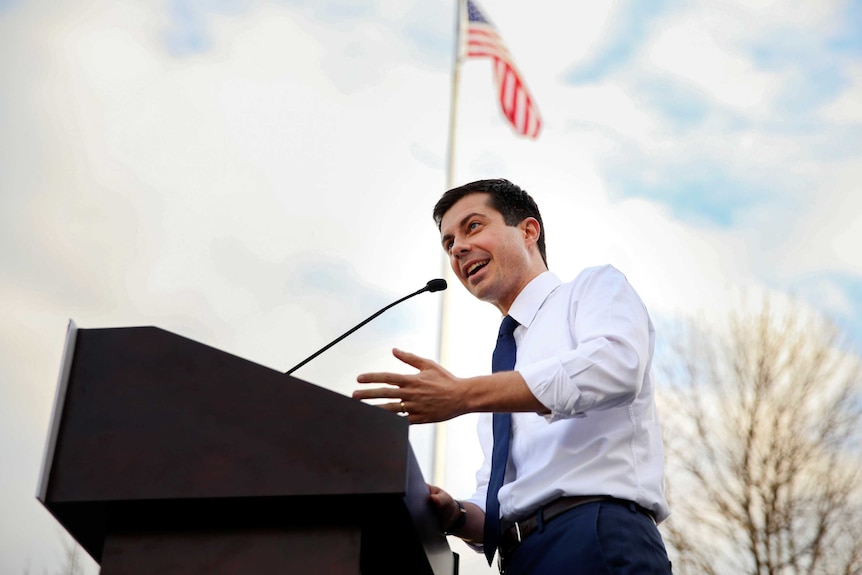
(582, 463)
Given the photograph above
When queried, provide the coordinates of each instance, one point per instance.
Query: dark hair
(513, 203)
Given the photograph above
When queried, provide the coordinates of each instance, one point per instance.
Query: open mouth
(473, 269)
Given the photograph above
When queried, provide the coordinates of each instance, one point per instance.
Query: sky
(258, 176)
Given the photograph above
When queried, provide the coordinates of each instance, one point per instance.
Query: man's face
(491, 259)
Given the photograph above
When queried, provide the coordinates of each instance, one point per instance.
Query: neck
(504, 305)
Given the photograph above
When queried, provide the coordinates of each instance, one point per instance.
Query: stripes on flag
(483, 41)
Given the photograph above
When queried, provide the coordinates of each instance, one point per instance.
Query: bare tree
(72, 565)
(761, 413)
(75, 559)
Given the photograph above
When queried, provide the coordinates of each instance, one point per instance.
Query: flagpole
(453, 107)
(440, 431)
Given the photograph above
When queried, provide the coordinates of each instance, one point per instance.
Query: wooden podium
(168, 456)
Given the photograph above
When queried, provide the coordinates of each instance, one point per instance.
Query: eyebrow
(461, 224)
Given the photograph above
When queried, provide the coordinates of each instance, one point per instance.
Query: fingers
(419, 392)
(397, 379)
(439, 498)
(411, 359)
(382, 377)
(377, 393)
(395, 407)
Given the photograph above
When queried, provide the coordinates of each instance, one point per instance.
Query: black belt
(520, 530)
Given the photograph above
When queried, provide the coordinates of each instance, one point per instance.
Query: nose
(459, 247)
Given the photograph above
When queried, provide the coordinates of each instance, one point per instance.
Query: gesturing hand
(433, 394)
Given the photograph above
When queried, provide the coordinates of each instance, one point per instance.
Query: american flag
(516, 101)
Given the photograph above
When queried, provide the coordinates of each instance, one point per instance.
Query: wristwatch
(459, 522)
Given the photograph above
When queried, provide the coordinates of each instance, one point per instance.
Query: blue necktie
(503, 360)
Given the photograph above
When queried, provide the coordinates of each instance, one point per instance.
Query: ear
(531, 229)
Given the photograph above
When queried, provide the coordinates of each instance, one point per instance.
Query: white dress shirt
(585, 350)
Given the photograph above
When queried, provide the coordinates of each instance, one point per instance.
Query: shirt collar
(527, 304)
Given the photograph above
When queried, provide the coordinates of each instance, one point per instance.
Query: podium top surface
(148, 414)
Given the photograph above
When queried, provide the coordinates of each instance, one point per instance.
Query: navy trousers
(602, 538)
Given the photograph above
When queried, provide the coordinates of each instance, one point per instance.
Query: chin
(485, 290)
(485, 295)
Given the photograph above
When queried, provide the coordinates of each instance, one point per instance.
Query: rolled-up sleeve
(605, 364)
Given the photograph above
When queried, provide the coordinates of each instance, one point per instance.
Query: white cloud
(694, 49)
(614, 110)
(827, 239)
(781, 14)
(846, 108)
(548, 38)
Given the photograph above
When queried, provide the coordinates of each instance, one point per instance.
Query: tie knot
(508, 325)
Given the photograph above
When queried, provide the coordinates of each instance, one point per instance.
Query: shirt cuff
(547, 381)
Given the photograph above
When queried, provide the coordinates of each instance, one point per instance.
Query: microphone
(432, 286)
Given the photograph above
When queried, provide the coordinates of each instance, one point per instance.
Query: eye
(473, 225)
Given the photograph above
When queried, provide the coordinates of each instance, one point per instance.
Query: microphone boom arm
(433, 285)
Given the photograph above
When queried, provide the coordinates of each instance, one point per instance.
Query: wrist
(502, 392)
(459, 522)
(474, 394)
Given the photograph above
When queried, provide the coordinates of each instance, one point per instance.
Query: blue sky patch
(187, 33)
(629, 34)
(693, 192)
(430, 31)
(683, 107)
(849, 40)
(849, 321)
(816, 78)
(344, 10)
(819, 85)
